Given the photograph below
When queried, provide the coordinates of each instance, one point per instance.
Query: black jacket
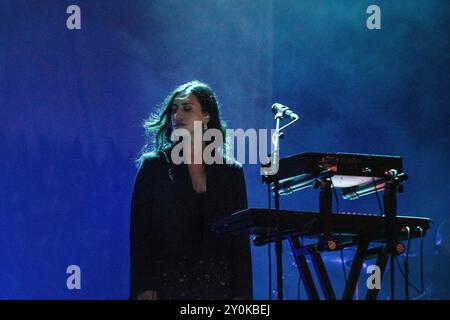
(172, 247)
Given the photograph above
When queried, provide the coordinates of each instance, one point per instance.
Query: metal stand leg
(325, 204)
(303, 269)
(324, 280)
(355, 271)
(390, 215)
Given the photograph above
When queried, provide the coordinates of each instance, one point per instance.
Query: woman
(174, 254)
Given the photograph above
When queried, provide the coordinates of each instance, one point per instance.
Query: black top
(172, 247)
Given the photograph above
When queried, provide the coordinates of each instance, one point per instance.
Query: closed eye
(186, 107)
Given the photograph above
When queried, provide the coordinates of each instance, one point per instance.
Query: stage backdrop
(77, 82)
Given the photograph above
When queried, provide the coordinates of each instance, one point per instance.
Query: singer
(173, 252)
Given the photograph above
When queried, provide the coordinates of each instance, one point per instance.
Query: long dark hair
(158, 126)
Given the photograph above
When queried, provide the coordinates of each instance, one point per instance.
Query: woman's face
(185, 110)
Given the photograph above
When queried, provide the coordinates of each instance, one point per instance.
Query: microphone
(278, 108)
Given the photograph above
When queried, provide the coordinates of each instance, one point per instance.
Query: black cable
(269, 244)
(376, 191)
(337, 211)
(421, 291)
(403, 274)
(369, 170)
(406, 264)
(299, 274)
(421, 258)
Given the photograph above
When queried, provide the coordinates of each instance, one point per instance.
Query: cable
(376, 190)
(269, 244)
(421, 258)
(403, 274)
(299, 274)
(337, 211)
(405, 263)
(421, 291)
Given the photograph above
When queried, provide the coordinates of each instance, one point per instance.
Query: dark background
(72, 103)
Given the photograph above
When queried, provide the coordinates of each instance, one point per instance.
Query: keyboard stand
(362, 253)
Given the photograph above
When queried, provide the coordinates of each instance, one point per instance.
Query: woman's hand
(148, 295)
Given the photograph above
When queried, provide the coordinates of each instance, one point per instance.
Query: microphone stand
(270, 177)
(278, 242)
